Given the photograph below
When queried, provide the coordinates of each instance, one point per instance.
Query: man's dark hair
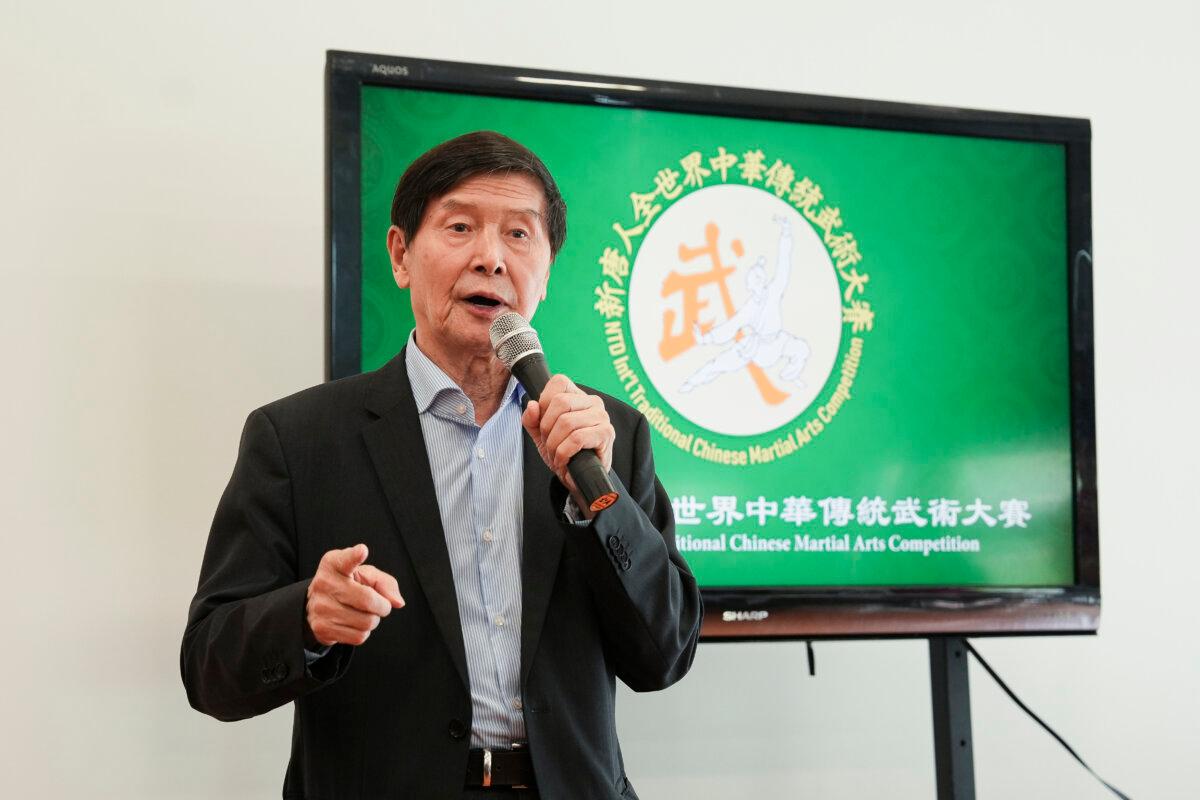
(480, 153)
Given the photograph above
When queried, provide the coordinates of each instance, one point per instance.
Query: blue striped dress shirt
(478, 474)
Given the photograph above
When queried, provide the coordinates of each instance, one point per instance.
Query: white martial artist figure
(760, 320)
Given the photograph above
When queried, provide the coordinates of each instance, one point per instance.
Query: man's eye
(459, 227)
(521, 234)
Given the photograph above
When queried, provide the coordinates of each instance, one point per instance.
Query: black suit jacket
(345, 462)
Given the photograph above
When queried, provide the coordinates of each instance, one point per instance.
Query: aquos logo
(391, 70)
(734, 305)
(744, 616)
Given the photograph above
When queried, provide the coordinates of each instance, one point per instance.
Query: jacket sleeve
(647, 599)
(243, 647)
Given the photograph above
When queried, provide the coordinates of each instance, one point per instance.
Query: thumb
(531, 418)
(347, 560)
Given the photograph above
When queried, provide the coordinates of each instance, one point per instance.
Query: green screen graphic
(851, 344)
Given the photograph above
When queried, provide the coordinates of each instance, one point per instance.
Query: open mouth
(482, 301)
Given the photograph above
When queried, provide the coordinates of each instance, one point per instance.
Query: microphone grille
(513, 338)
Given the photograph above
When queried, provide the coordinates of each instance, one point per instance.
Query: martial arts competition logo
(736, 293)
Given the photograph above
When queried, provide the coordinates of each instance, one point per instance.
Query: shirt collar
(429, 381)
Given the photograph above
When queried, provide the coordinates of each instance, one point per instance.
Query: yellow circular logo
(734, 307)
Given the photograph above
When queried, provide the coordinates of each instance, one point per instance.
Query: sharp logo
(744, 616)
(391, 70)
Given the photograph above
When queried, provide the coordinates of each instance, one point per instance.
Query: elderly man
(421, 578)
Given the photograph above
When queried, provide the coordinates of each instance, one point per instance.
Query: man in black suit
(408, 674)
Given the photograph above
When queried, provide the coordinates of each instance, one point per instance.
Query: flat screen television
(861, 331)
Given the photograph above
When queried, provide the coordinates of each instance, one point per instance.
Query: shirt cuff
(315, 655)
(574, 515)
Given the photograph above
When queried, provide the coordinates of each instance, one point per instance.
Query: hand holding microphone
(570, 428)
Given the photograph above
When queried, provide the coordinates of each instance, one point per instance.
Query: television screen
(860, 331)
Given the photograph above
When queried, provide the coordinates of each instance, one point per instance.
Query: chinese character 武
(908, 512)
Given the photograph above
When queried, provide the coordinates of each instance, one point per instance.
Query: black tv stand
(950, 692)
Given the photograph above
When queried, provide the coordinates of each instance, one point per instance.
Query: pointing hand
(347, 597)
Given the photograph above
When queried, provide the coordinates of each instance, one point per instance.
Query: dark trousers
(500, 794)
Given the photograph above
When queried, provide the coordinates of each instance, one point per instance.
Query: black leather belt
(511, 768)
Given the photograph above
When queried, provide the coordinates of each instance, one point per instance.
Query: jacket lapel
(542, 545)
(397, 449)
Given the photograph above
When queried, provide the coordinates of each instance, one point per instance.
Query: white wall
(161, 166)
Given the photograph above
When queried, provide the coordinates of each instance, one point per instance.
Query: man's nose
(489, 256)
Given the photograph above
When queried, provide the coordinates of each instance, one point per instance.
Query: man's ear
(398, 252)
(546, 281)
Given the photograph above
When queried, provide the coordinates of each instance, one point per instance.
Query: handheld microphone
(518, 348)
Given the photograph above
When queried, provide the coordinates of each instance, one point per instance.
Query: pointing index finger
(382, 583)
(347, 560)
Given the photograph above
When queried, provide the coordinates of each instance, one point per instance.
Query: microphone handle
(586, 470)
(592, 479)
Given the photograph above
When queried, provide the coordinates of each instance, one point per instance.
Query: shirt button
(517, 704)
(499, 620)
(462, 408)
(487, 535)
(480, 453)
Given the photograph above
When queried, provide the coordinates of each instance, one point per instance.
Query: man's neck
(481, 377)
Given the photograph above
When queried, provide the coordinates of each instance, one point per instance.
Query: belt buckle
(487, 768)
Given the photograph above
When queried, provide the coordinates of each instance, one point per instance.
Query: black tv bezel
(781, 612)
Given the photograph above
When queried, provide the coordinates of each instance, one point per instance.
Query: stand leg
(951, 695)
